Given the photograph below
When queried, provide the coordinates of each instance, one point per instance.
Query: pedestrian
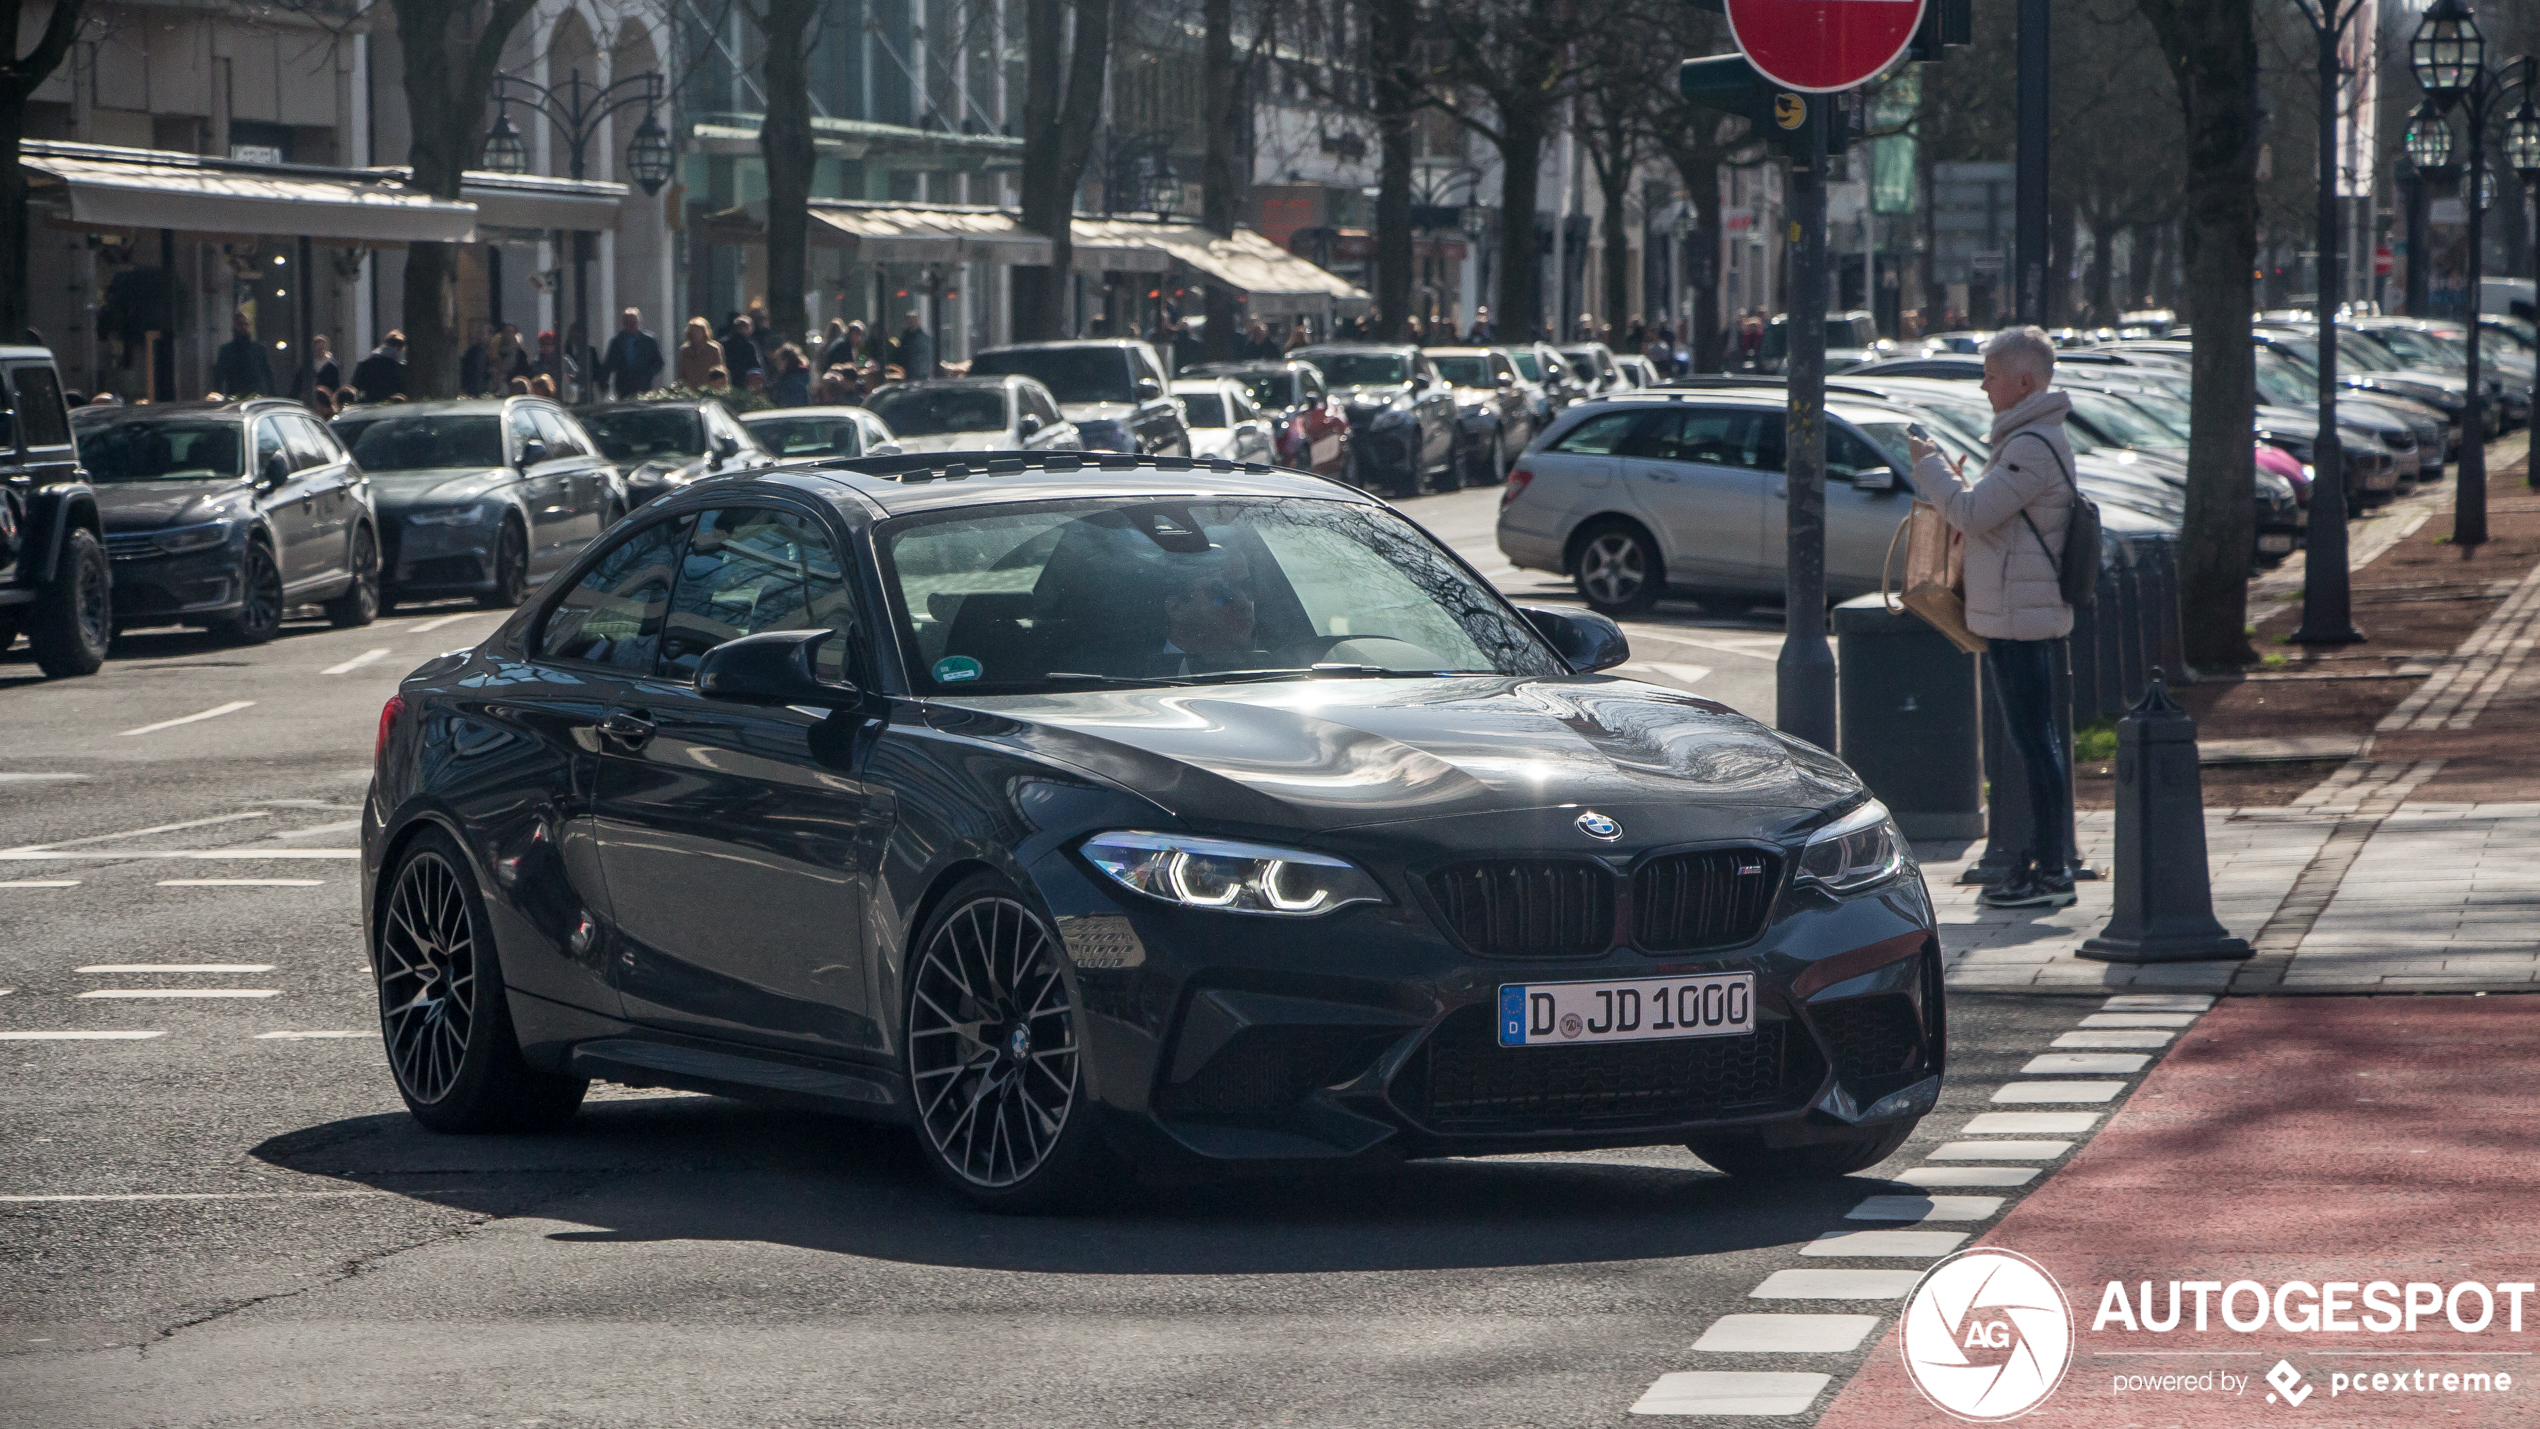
(2014, 516)
(913, 352)
(740, 346)
(319, 372)
(322, 403)
(1480, 336)
(718, 382)
(698, 355)
(519, 387)
(1297, 335)
(552, 364)
(792, 387)
(633, 362)
(836, 389)
(476, 365)
(511, 355)
(382, 375)
(241, 368)
(836, 350)
(1256, 343)
(543, 385)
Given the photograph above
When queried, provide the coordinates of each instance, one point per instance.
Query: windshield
(2419, 349)
(1362, 369)
(2173, 414)
(1273, 390)
(1527, 364)
(1205, 409)
(2120, 423)
(420, 443)
(636, 434)
(1073, 374)
(2363, 352)
(1465, 371)
(163, 451)
(808, 436)
(1077, 594)
(936, 411)
(2282, 382)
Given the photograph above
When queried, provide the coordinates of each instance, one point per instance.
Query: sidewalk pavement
(2357, 886)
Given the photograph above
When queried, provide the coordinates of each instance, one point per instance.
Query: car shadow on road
(694, 1169)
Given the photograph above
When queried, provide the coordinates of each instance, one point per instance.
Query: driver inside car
(1208, 613)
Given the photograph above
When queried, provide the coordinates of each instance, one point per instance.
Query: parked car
(662, 444)
(227, 514)
(975, 414)
(2443, 347)
(1113, 389)
(1102, 791)
(1852, 340)
(484, 497)
(1592, 367)
(801, 433)
(1489, 407)
(1639, 371)
(1311, 432)
(56, 583)
(1403, 425)
(1223, 421)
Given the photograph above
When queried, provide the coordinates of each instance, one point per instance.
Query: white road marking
(140, 833)
(313, 830)
(240, 882)
(45, 855)
(2030, 1123)
(434, 624)
(215, 712)
(1919, 1245)
(2000, 1150)
(2123, 1064)
(1968, 1175)
(308, 1036)
(1786, 1334)
(2142, 1037)
(1925, 1208)
(77, 1036)
(155, 992)
(2139, 1019)
(2017, 1092)
(39, 883)
(2157, 1002)
(1681, 674)
(18, 777)
(358, 661)
(1836, 1285)
(94, 968)
(193, 1195)
(1738, 1393)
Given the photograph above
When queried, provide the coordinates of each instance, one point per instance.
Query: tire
(1747, 1158)
(12, 621)
(259, 616)
(361, 604)
(1002, 1112)
(1618, 570)
(448, 1028)
(511, 569)
(74, 619)
(1491, 468)
(1415, 475)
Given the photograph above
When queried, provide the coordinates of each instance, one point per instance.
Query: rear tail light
(388, 714)
(1517, 480)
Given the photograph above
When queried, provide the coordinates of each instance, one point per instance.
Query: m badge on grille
(1597, 826)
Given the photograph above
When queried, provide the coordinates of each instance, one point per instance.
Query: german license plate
(1640, 1010)
(2275, 543)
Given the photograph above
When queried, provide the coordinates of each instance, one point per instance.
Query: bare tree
(1506, 67)
(1221, 107)
(1699, 144)
(785, 30)
(1062, 104)
(451, 50)
(1392, 50)
(19, 79)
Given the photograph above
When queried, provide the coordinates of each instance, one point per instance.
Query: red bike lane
(2328, 1140)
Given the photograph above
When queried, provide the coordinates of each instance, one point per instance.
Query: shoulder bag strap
(2052, 560)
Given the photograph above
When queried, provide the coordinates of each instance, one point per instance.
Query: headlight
(651, 473)
(1860, 849)
(1103, 434)
(1395, 414)
(192, 538)
(472, 515)
(1238, 877)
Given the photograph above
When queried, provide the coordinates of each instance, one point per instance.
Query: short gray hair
(2023, 349)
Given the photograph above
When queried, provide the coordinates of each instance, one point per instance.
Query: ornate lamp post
(2327, 597)
(577, 108)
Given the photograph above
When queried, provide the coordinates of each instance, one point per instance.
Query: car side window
(558, 434)
(749, 570)
(1848, 454)
(613, 615)
(311, 445)
(42, 419)
(1312, 388)
(269, 444)
(1600, 435)
(1710, 436)
(524, 429)
(1499, 369)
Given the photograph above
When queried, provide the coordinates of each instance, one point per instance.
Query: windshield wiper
(1382, 672)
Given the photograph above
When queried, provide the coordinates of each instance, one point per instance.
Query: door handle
(629, 728)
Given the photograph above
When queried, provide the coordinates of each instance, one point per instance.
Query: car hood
(435, 486)
(1315, 755)
(1378, 393)
(1098, 411)
(958, 442)
(683, 467)
(149, 505)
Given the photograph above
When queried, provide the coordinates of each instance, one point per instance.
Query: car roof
(890, 487)
(833, 410)
(1397, 348)
(1066, 342)
(985, 379)
(1206, 381)
(464, 406)
(1460, 351)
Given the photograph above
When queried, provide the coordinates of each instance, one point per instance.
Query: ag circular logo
(1597, 826)
(1988, 1335)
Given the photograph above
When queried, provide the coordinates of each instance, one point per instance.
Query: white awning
(545, 204)
(1275, 282)
(928, 235)
(151, 188)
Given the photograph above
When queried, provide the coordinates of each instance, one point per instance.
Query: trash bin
(1906, 699)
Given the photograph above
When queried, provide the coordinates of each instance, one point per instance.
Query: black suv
(55, 584)
(227, 514)
(1113, 389)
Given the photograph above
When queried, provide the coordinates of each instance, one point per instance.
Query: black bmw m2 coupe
(1083, 812)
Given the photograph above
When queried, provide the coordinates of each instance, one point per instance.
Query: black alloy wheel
(259, 615)
(359, 605)
(1415, 467)
(441, 1007)
(74, 620)
(993, 1056)
(511, 569)
(1619, 571)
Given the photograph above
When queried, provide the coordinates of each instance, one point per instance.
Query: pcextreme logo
(1988, 1335)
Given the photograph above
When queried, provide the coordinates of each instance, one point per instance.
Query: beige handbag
(1935, 585)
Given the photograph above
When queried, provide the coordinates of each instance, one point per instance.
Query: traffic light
(1773, 114)
(1946, 24)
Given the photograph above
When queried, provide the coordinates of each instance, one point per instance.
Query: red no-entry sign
(1822, 45)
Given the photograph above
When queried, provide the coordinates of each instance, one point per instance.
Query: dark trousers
(2020, 675)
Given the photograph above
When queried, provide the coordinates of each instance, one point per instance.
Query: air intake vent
(1462, 1079)
(1693, 902)
(1527, 908)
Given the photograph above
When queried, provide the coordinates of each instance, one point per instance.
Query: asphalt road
(230, 1220)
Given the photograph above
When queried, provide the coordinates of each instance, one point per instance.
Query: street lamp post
(577, 108)
(2327, 598)
(2522, 154)
(1686, 222)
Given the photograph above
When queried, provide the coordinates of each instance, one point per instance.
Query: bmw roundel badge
(1597, 826)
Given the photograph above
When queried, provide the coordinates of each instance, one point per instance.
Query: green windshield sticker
(952, 669)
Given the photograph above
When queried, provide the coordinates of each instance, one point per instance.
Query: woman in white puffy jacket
(2014, 516)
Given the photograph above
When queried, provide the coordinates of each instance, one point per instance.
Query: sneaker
(2031, 889)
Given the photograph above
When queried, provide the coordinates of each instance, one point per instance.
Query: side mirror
(883, 449)
(1148, 389)
(532, 452)
(1507, 380)
(277, 469)
(1876, 478)
(1028, 424)
(771, 669)
(1588, 641)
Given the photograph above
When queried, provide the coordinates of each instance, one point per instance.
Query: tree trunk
(2213, 52)
(1221, 101)
(1618, 245)
(1702, 180)
(1058, 137)
(2139, 265)
(2103, 275)
(18, 81)
(1520, 307)
(784, 140)
(448, 76)
(1391, 26)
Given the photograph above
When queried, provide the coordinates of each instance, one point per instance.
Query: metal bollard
(1908, 701)
(2109, 679)
(2083, 652)
(2164, 896)
(2131, 674)
(2172, 639)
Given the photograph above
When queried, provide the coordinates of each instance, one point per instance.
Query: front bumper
(1218, 1040)
(152, 585)
(418, 560)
